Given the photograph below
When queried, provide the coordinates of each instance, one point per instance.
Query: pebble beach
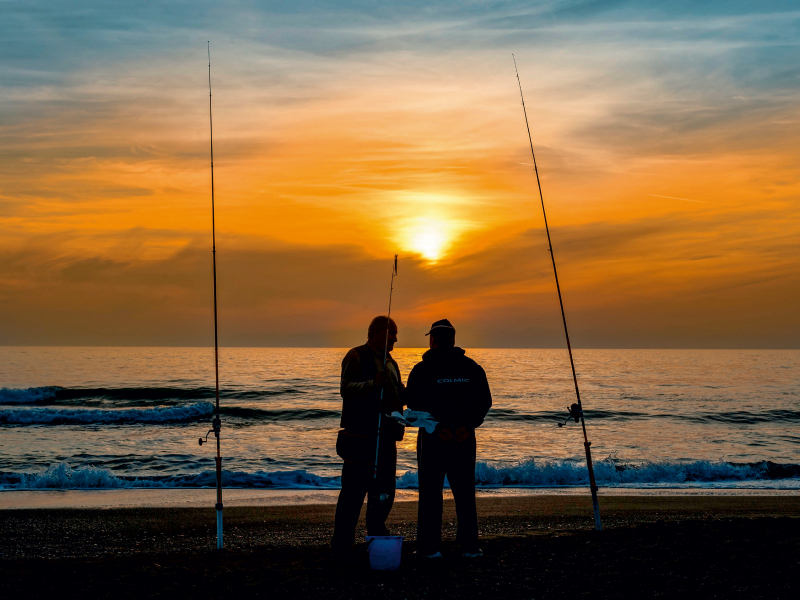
(535, 547)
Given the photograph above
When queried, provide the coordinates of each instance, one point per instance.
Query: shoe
(476, 553)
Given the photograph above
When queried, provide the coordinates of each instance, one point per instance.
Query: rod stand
(218, 506)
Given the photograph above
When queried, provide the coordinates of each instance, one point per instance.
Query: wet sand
(535, 547)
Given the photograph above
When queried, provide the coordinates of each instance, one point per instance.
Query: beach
(541, 546)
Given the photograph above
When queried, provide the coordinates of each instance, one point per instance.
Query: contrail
(674, 198)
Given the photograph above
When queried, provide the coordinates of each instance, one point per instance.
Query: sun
(429, 238)
(427, 224)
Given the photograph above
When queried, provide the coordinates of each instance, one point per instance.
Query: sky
(667, 138)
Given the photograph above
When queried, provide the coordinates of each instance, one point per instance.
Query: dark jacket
(361, 398)
(450, 386)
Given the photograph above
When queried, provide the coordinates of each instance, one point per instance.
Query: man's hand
(462, 434)
(381, 377)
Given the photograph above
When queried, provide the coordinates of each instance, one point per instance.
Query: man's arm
(413, 397)
(350, 387)
(482, 399)
(395, 391)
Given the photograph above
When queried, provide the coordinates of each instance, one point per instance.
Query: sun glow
(429, 238)
(429, 224)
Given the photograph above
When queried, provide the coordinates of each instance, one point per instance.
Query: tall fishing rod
(216, 424)
(576, 410)
(385, 355)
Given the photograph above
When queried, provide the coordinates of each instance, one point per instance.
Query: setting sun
(430, 224)
(429, 238)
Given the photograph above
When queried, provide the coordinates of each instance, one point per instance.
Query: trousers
(357, 481)
(437, 458)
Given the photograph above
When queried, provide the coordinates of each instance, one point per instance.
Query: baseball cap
(441, 324)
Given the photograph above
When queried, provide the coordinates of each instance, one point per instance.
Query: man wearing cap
(454, 390)
(363, 379)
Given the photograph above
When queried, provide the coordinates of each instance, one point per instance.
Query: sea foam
(612, 473)
(64, 476)
(526, 474)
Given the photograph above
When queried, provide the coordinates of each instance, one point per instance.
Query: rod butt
(219, 529)
(597, 524)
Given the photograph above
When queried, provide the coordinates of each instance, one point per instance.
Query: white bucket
(384, 552)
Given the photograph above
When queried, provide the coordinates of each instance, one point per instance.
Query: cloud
(623, 285)
(338, 125)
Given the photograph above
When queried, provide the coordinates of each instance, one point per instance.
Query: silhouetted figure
(363, 377)
(454, 389)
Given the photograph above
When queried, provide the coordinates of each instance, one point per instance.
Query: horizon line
(401, 347)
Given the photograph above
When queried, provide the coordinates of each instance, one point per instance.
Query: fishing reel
(216, 425)
(575, 412)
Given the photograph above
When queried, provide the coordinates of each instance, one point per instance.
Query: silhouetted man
(363, 377)
(454, 389)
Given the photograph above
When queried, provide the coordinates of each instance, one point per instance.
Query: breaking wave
(66, 416)
(526, 474)
(63, 476)
(532, 473)
(27, 395)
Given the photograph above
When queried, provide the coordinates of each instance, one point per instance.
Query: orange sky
(668, 157)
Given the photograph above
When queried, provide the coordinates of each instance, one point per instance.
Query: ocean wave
(65, 416)
(611, 473)
(55, 394)
(168, 393)
(741, 417)
(147, 397)
(281, 414)
(744, 417)
(526, 474)
(27, 395)
(64, 476)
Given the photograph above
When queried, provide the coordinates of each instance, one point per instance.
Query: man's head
(443, 334)
(376, 334)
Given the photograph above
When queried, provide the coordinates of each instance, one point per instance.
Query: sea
(92, 418)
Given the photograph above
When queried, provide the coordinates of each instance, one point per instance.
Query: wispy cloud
(339, 126)
(676, 198)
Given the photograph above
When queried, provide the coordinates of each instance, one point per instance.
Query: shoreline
(44, 499)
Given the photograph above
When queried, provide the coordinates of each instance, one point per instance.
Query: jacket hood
(443, 353)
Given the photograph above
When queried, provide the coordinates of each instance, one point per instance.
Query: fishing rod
(576, 410)
(383, 497)
(216, 424)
